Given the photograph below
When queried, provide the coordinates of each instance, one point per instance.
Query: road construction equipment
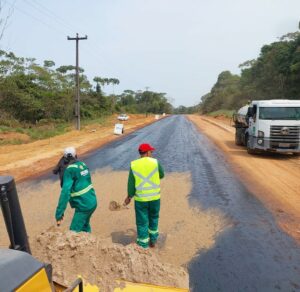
(116, 206)
(269, 125)
(12, 214)
(21, 272)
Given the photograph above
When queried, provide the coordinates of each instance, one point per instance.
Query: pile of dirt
(101, 262)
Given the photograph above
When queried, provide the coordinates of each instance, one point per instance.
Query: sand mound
(100, 262)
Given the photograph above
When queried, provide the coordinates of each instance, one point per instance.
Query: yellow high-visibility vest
(147, 181)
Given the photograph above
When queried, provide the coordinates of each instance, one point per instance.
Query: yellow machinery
(21, 272)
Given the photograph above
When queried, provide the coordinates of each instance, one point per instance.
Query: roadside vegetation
(223, 113)
(38, 100)
(275, 74)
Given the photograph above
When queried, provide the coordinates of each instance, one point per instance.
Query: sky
(174, 46)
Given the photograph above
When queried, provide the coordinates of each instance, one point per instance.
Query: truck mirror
(250, 112)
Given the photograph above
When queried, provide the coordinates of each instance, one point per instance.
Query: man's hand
(127, 201)
(58, 222)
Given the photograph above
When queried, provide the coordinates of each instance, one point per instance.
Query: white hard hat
(70, 151)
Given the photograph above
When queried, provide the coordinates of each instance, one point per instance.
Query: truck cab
(273, 126)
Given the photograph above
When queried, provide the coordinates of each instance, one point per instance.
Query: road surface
(252, 253)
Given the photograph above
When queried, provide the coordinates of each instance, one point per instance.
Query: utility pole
(77, 95)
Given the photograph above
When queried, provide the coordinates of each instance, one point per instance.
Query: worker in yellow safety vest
(144, 185)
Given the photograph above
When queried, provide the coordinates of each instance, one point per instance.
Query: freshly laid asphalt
(252, 254)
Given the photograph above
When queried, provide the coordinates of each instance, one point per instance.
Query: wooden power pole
(77, 95)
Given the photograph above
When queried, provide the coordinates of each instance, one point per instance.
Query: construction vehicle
(269, 126)
(21, 272)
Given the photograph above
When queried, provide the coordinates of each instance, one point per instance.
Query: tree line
(31, 92)
(275, 74)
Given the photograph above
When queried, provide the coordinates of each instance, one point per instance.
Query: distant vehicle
(269, 125)
(123, 117)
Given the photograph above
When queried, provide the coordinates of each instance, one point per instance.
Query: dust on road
(273, 179)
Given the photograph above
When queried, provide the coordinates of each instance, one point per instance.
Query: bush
(24, 107)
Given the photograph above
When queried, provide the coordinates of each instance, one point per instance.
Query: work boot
(152, 244)
(141, 248)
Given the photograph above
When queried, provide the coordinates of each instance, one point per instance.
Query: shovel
(115, 206)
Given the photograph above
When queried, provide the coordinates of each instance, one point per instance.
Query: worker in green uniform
(144, 185)
(77, 189)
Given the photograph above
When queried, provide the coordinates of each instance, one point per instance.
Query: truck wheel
(249, 150)
(238, 140)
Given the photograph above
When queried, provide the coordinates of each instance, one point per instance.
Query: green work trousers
(81, 221)
(147, 215)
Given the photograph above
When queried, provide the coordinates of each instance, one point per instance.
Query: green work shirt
(131, 180)
(77, 189)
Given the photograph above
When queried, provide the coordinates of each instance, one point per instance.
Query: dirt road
(273, 178)
(26, 160)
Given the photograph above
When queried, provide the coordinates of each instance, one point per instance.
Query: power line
(70, 26)
(4, 20)
(42, 9)
(48, 13)
(34, 17)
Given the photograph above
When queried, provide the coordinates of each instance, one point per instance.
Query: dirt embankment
(273, 178)
(23, 161)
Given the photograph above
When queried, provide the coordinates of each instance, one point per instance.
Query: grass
(45, 130)
(11, 142)
(103, 120)
(225, 113)
(34, 132)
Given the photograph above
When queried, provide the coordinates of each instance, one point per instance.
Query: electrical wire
(48, 13)
(69, 26)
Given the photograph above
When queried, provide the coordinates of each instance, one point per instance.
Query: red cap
(145, 147)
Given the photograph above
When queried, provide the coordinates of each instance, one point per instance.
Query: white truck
(269, 125)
